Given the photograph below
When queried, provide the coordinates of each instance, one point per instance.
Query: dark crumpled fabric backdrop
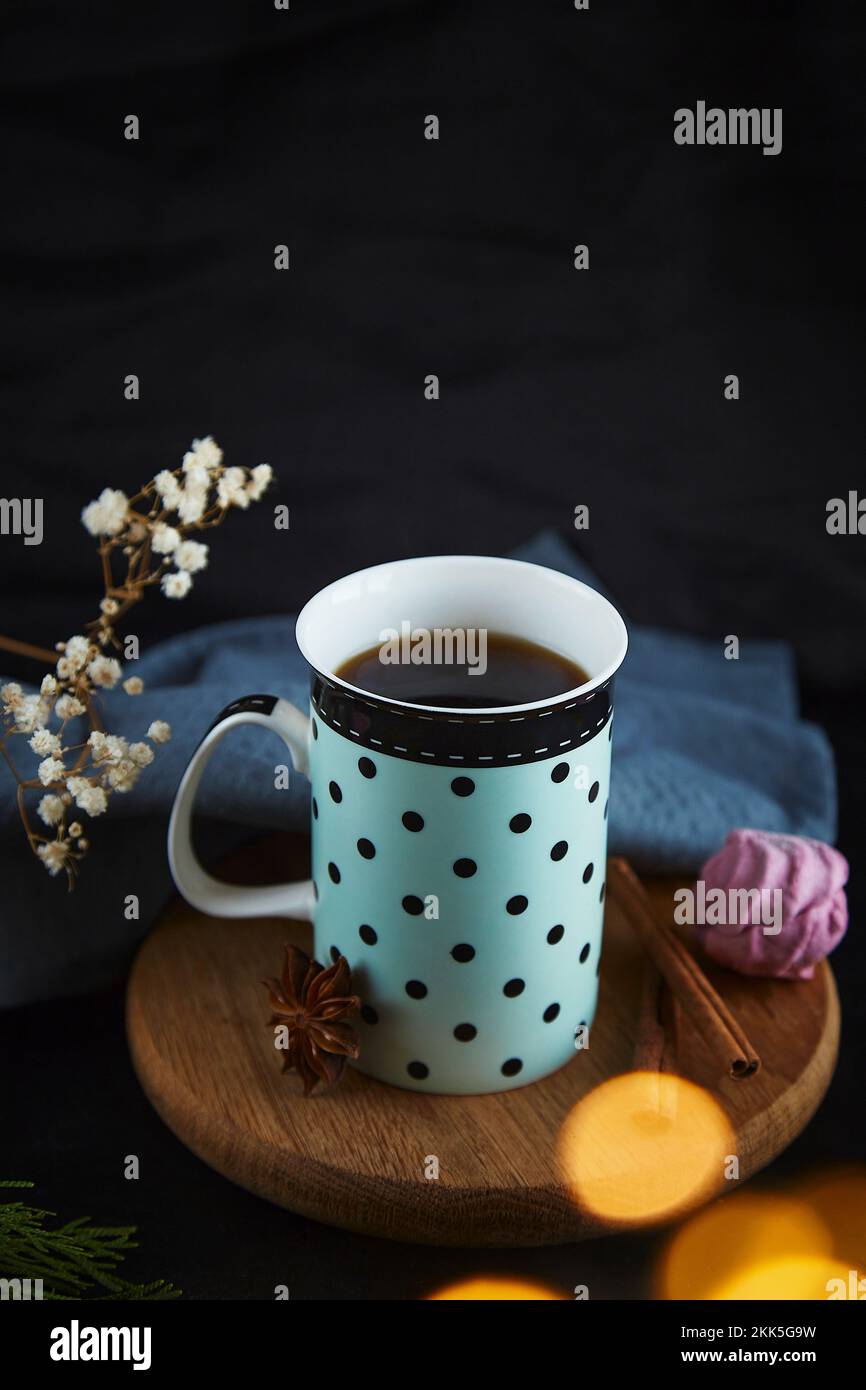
(409, 257)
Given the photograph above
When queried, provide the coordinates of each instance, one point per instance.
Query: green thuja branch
(72, 1259)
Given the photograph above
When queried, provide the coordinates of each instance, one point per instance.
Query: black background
(411, 257)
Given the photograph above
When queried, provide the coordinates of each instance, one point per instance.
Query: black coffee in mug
(460, 668)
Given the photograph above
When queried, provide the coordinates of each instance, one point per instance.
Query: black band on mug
(463, 740)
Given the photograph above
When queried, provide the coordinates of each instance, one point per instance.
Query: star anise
(311, 1001)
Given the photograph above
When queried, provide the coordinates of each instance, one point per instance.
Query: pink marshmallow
(814, 914)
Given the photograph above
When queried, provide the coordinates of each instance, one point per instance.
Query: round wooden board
(355, 1157)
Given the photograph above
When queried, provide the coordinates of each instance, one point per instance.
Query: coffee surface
(504, 670)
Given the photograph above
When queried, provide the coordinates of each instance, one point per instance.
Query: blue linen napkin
(701, 745)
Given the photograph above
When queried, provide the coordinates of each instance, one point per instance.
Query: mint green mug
(458, 855)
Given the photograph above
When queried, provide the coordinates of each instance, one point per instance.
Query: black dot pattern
(448, 860)
(463, 953)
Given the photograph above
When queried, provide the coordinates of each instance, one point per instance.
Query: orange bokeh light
(643, 1147)
(721, 1246)
(838, 1196)
(795, 1277)
(491, 1289)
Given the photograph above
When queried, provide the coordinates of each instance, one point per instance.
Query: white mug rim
(311, 614)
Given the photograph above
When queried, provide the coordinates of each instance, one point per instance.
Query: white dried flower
(104, 671)
(53, 856)
(44, 743)
(192, 504)
(121, 776)
(141, 753)
(96, 743)
(191, 556)
(133, 685)
(159, 731)
(68, 707)
(168, 488)
(76, 652)
(76, 829)
(50, 770)
(107, 515)
(107, 748)
(51, 809)
(260, 478)
(204, 453)
(109, 606)
(196, 475)
(31, 713)
(176, 585)
(164, 539)
(232, 489)
(11, 695)
(93, 801)
(88, 797)
(48, 686)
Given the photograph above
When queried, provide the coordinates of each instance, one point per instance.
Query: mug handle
(231, 899)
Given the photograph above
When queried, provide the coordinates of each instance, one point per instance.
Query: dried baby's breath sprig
(147, 539)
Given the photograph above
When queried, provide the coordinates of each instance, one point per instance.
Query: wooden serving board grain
(355, 1157)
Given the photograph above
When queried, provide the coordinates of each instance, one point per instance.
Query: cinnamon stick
(649, 1043)
(654, 1046)
(688, 983)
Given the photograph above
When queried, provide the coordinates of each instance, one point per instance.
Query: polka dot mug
(458, 855)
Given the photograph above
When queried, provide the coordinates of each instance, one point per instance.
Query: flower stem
(12, 644)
